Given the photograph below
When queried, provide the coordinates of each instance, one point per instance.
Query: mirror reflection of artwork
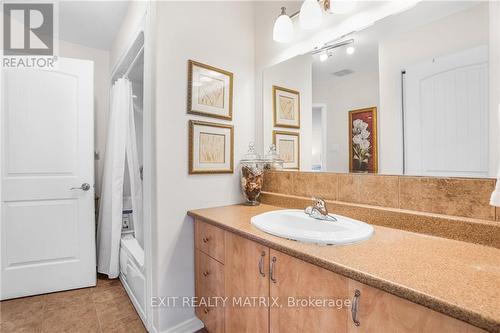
(286, 107)
(210, 147)
(363, 140)
(288, 148)
(210, 91)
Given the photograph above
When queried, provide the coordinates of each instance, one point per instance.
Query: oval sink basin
(296, 225)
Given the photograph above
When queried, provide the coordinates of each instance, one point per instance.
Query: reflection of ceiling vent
(343, 72)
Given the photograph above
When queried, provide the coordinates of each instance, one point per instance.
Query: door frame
(324, 129)
(147, 27)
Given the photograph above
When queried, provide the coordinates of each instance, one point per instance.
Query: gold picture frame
(210, 91)
(211, 148)
(291, 160)
(291, 117)
(359, 161)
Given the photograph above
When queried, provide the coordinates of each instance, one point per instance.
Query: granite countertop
(456, 278)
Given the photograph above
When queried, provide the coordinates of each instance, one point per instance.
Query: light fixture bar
(329, 47)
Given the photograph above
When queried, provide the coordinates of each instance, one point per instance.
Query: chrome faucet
(319, 211)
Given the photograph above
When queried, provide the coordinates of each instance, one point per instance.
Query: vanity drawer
(212, 317)
(209, 239)
(209, 275)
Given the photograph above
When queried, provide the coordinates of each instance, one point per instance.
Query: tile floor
(105, 308)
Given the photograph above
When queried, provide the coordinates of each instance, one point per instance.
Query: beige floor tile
(116, 309)
(128, 325)
(74, 318)
(22, 314)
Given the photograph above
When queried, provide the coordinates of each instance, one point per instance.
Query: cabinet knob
(354, 308)
(205, 239)
(206, 273)
(206, 310)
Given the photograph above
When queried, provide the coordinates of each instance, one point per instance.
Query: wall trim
(189, 326)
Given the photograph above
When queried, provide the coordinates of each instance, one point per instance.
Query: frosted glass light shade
(283, 29)
(310, 15)
(342, 6)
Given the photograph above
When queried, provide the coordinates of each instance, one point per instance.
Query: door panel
(243, 280)
(298, 280)
(47, 149)
(446, 115)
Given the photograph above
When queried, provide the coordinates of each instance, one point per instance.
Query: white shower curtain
(121, 146)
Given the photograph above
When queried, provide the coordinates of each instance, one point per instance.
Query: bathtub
(132, 272)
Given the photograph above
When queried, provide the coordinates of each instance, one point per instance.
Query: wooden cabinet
(247, 285)
(253, 277)
(378, 309)
(306, 293)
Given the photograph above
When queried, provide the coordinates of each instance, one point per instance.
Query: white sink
(296, 225)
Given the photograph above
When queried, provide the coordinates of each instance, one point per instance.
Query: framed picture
(286, 107)
(363, 155)
(210, 91)
(288, 148)
(210, 147)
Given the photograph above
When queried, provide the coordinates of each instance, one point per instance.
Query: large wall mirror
(411, 94)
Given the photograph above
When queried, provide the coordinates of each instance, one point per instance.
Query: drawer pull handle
(206, 310)
(206, 273)
(271, 270)
(261, 264)
(354, 308)
(205, 239)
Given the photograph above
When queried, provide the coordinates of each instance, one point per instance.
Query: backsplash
(454, 208)
(464, 197)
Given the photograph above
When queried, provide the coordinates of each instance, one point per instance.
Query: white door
(47, 228)
(446, 115)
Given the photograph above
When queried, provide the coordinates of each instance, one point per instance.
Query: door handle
(271, 270)
(354, 308)
(84, 187)
(261, 264)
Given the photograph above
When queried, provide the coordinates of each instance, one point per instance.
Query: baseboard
(188, 326)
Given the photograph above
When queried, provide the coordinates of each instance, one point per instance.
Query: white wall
(341, 95)
(101, 96)
(293, 74)
(131, 24)
(220, 34)
(456, 32)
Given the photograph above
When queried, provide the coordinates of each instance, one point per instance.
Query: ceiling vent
(343, 72)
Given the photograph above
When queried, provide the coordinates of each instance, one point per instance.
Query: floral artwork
(363, 140)
(288, 148)
(286, 108)
(211, 91)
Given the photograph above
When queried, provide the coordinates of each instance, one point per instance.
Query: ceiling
(93, 24)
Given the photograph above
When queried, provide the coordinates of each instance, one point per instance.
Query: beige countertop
(459, 279)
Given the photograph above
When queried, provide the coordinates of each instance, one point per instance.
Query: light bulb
(310, 15)
(350, 50)
(323, 56)
(341, 6)
(283, 28)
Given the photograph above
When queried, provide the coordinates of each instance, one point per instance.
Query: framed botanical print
(210, 147)
(210, 91)
(286, 107)
(288, 148)
(363, 156)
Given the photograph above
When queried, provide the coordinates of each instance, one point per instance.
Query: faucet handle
(320, 205)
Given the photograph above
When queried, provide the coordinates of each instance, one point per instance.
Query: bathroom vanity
(397, 281)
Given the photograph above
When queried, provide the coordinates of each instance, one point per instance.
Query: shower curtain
(121, 148)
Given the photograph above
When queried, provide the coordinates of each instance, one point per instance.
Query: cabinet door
(293, 280)
(380, 311)
(246, 284)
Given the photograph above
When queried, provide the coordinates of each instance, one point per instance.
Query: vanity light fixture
(310, 16)
(323, 56)
(340, 6)
(350, 50)
(283, 28)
